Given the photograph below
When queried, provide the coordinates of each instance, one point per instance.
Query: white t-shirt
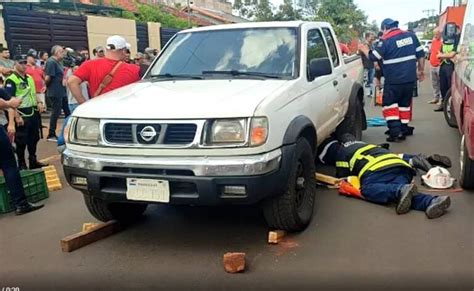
(84, 90)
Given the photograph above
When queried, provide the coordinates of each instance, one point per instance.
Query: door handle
(344, 75)
(335, 83)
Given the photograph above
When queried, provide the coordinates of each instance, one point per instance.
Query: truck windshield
(233, 53)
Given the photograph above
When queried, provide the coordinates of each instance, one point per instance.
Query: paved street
(349, 243)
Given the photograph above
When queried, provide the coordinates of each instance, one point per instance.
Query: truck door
(340, 100)
(321, 91)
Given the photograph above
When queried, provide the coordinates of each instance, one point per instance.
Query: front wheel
(466, 179)
(293, 210)
(123, 212)
(448, 111)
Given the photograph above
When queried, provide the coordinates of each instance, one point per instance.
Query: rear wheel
(466, 179)
(123, 212)
(448, 113)
(353, 122)
(293, 210)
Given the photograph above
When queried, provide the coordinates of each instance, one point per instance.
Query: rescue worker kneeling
(384, 176)
(27, 116)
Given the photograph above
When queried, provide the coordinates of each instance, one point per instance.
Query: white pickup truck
(229, 114)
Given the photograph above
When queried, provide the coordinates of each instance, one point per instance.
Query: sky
(401, 10)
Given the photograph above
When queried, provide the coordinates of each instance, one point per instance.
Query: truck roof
(252, 25)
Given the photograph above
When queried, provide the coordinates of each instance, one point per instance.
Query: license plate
(148, 190)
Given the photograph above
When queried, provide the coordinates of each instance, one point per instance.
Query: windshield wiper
(173, 76)
(242, 73)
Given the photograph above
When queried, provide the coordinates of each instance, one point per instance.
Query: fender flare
(296, 127)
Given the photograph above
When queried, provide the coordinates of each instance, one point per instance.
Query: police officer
(26, 117)
(9, 166)
(384, 177)
(446, 56)
(399, 52)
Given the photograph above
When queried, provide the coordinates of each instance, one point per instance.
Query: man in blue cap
(399, 51)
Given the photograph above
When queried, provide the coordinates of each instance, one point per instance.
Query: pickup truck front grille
(118, 133)
(149, 133)
(180, 133)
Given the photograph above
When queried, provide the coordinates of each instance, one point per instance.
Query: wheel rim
(461, 154)
(448, 108)
(300, 185)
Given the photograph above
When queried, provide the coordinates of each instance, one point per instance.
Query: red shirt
(94, 71)
(37, 74)
(344, 49)
(434, 50)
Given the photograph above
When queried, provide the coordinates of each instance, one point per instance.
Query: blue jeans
(61, 140)
(383, 187)
(370, 77)
(11, 171)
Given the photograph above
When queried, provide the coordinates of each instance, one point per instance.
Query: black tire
(123, 212)
(448, 113)
(353, 122)
(466, 179)
(293, 210)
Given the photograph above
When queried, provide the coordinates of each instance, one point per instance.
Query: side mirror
(319, 67)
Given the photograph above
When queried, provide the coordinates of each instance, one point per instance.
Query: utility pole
(440, 6)
(189, 15)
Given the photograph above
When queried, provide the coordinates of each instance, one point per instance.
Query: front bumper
(192, 180)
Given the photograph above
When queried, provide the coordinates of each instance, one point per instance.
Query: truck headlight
(228, 131)
(87, 131)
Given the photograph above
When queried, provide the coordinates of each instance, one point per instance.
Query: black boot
(35, 164)
(28, 207)
(439, 160)
(22, 165)
(420, 162)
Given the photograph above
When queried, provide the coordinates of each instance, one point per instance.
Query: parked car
(426, 43)
(459, 104)
(229, 114)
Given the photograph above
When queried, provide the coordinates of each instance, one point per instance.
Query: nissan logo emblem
(148, 133)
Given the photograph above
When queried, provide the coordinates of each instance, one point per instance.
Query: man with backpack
(105, 74)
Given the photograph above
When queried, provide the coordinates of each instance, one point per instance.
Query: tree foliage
(149, 13)
(348, 20)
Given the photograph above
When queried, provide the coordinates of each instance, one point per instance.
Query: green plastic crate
(34, 185)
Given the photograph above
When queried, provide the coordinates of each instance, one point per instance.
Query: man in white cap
(105, 74)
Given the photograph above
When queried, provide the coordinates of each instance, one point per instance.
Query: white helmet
(438, 178)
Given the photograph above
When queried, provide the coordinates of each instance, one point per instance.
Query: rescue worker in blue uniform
(399, 51)
(384, 177)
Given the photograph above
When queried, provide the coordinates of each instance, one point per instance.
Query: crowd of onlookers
(50, 72)
(60, 80)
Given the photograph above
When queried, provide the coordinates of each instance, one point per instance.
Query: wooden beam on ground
(327, 179)
(83, 238)
(275, 236)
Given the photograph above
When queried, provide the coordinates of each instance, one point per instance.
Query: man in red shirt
(36, 72)
(105, 74)
(435, 63)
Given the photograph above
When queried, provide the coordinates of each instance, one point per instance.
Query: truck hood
(181, 99)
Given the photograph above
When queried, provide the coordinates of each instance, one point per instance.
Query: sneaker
(433, 101)
(52, 138)
(28, 207)
(406, 194)
(440, 102)
(439, 108)
(438, 207)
